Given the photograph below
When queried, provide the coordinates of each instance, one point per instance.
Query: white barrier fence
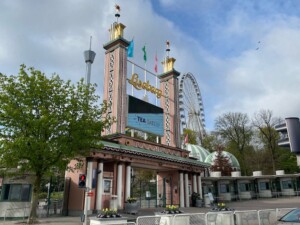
(247, 217)
(129, 223)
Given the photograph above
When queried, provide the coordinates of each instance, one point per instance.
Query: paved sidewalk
(291, 202)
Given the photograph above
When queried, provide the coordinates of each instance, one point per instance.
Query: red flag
(155, 66)
(186, 139)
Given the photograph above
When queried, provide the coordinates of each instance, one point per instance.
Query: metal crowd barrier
(128, 223)
(154, 220)
(192, 219)
(247, 217)
(219, 218)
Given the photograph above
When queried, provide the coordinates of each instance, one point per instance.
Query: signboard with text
(145, 117)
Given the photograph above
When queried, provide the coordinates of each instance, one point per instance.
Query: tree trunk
(35, 198)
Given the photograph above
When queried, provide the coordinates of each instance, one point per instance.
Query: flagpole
(156, 99)
(145, 72)
(145, 77)
(132, 70)
(156, 103)
(145, 69)
(156, 69)
(167, 53)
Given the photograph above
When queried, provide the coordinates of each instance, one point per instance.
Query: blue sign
(145, 117)
(147, 122)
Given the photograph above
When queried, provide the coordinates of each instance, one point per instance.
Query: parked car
(291, 218)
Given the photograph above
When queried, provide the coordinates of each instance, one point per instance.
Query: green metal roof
(234, 162)
(151, 154)
(197, 152)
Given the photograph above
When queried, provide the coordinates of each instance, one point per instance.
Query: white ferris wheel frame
(191, 107)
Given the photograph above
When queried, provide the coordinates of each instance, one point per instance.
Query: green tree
(221, 163)
(236, 130)
(192, 136)
(264, 122)
(212, 141)
(287, 161)
(46, 122)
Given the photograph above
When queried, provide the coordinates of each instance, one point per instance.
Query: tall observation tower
(89, 57)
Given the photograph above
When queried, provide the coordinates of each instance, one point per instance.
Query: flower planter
(195, 200)
(131, 208)
(105, 221)
(221, 207)
(199, 203)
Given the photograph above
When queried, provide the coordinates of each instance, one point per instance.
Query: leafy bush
(43, 195)
(57, 195)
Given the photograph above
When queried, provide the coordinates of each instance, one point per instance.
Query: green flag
(145, 53)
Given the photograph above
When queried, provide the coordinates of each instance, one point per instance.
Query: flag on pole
(155, 65)
(130, 49)
(186, 139)
(145, 53)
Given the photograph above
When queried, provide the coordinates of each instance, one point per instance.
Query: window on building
(224, 188)
(107, 186)
(245, 187)
(264, 186)
(16, 192)
(287, 184)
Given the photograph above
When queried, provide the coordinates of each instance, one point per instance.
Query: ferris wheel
(191, 106)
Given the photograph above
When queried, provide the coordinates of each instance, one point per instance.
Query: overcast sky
(245, 55)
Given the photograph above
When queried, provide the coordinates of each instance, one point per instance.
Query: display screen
(145, 117)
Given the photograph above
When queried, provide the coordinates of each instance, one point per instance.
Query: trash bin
(206, 201)
(113, 204)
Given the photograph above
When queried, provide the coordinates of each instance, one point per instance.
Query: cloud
(214, 40)
(267, 78)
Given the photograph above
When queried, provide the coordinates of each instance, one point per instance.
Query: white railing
(249, 217)
(128, 223)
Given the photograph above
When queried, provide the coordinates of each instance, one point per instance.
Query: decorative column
(99, 186)
(128, 181)
(120, 185)
(181, 189)
(115, 74)
(89, 179)
(187, 197)
(170, 104)
(200, 186)
(195, 183)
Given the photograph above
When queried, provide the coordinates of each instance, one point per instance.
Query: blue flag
(130, 49)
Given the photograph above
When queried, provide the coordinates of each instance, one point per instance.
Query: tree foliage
(46, 122)
(235, 129)
(212, 141)
(287, 161)
(192, 136)
(253, 142)
(221, 163)
(265, 123)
